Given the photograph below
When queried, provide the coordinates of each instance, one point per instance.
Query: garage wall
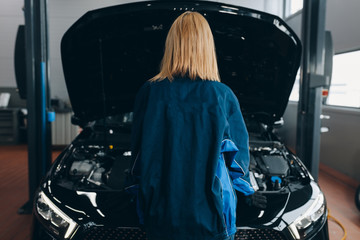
(11, 16)
(294, 21)
(339, 148)
(342, 19)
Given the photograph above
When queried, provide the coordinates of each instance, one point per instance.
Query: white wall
(257, 4)
(339, 148)
(342, 19)
(11, 16)
(271, 6)
(294, 21)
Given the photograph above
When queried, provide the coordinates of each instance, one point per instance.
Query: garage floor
(339, 191)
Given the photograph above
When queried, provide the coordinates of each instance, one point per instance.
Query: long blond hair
(189, 50)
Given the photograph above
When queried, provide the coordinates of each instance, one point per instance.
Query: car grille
(258, 234)
(138, 234)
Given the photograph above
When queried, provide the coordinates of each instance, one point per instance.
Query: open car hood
(109, 53)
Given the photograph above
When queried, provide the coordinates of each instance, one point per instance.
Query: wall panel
(11, 16)
(339, 148)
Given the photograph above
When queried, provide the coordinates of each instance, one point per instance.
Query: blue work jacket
(191, 152)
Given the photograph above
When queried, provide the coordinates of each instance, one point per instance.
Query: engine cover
(274, 165)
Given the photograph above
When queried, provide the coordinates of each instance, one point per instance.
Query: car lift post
(311, 82)
(38, 128)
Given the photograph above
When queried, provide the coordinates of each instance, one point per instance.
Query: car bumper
(103, 233)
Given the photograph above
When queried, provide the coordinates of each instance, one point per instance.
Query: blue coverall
(191, 152)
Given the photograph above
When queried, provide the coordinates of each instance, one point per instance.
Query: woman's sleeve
(136, 132)
(239, 167)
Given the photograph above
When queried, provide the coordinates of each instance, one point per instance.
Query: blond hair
(189, 50)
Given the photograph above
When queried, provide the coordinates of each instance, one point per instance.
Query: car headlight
(302, 225)
(58, 221)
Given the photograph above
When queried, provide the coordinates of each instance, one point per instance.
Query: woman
(190, 143)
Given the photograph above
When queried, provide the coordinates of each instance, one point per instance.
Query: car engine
(272, 167)
(95, 167)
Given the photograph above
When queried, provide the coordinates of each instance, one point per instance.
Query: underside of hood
(109, 53)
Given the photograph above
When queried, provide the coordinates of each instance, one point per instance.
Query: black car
(107, 55)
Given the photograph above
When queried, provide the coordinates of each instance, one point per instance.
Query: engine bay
(273, 167)
(89, 167)
(101, 160)
(95, 167)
